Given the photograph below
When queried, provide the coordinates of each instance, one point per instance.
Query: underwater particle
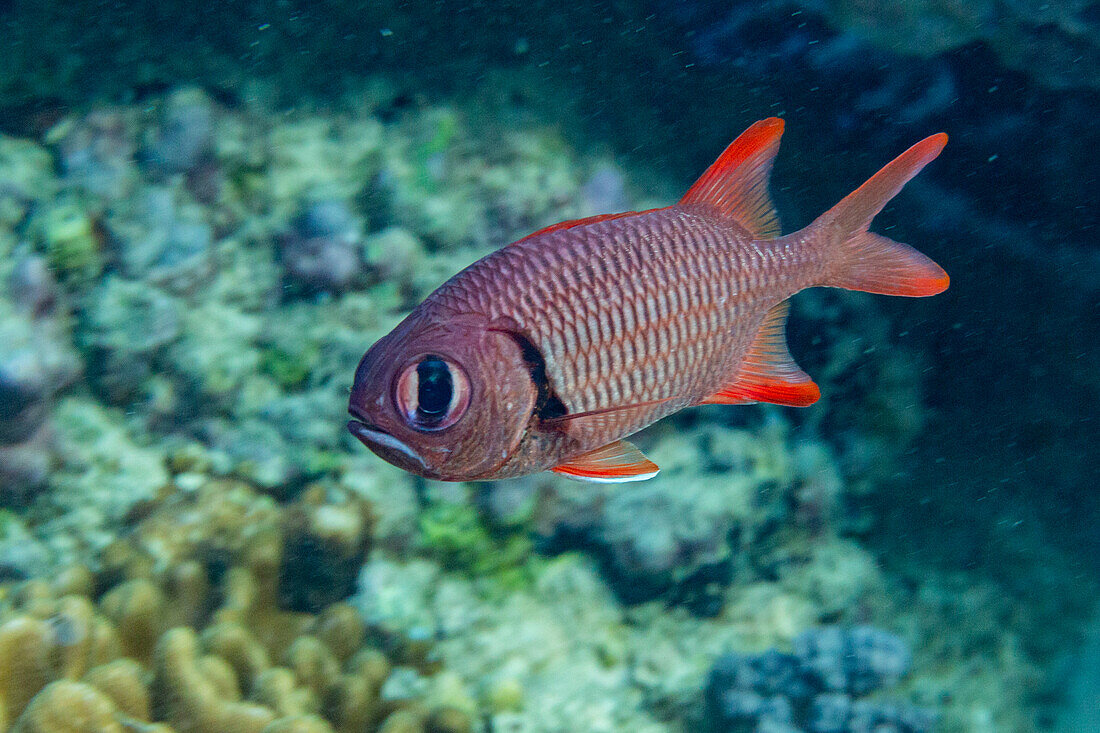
(320, 251)
(69, 707)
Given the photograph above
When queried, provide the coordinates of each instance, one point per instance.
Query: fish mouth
(372, 436)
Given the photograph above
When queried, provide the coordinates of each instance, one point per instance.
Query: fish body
(548, 352)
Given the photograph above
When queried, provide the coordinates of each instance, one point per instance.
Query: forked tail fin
(870, 262)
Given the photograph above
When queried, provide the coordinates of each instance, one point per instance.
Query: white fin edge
(616, 480)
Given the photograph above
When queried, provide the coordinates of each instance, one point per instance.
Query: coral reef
(37, 360)
(321, 250)
(819, 688)
(206, 622)
(190, 542)
(183, 137)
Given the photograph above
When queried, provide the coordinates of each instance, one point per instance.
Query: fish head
(448, 398)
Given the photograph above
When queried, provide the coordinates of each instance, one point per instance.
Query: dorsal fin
(736, 185)
(580, 222)
(769, 373)
(614, 463)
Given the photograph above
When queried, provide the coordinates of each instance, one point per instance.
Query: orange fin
(579, 222)
(769, 373)
(870, 262)
(614, 463)
(736, 185)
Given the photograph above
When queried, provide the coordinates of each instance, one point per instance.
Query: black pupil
(433, 396)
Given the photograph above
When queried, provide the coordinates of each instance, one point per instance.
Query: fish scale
(550, 351)
(724, 284)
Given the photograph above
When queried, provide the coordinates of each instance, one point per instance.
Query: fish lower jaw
(373, 437)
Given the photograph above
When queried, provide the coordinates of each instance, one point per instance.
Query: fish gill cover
(206, 217)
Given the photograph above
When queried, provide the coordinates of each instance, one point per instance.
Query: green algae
(70, 241)
(290, 370)
(456, 536)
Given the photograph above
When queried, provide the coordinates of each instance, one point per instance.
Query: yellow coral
(81, 638)
(313, 664)
(121, 681)
(136, 656)
(189, 700)
(137, 609)
(25, 665)
(299, 724)
(239, 648)
(277, 688)
(69, 707)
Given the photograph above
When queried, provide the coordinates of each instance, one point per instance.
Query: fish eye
(432, 393)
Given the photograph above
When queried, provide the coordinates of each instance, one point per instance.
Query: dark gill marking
(547, 404)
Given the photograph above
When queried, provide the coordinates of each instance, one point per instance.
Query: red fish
(548, 352)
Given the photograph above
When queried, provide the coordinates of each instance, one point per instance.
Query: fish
(547, 353)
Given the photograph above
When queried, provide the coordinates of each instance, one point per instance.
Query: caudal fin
(870, 262)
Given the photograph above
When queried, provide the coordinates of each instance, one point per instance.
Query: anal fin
(768, 373)
(614, 463)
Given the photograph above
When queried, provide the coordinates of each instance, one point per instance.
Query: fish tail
(870, 262)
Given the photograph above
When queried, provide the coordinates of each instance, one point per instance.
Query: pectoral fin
(769, 373)
(614, 463)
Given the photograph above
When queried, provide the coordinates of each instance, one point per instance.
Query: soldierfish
(548, 352)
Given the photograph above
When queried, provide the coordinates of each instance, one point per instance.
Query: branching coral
(195, 627)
